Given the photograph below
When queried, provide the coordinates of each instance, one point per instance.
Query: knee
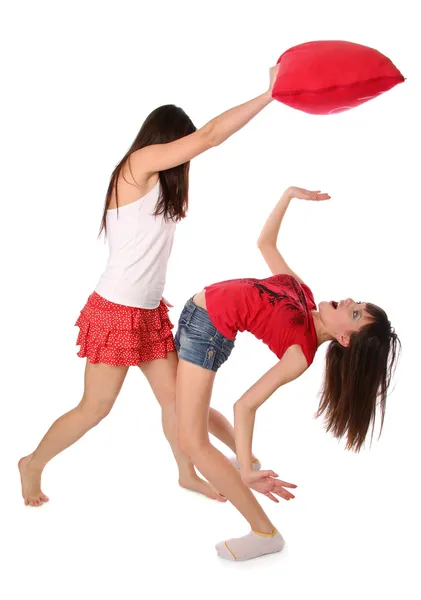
(190, 444)
(95, 410)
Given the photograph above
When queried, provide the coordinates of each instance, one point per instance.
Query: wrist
(245, 473)
(268, 96)
(289, 194)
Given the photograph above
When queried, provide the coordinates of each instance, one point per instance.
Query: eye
(355, 314)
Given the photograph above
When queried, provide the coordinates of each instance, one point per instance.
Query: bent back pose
(280, 311)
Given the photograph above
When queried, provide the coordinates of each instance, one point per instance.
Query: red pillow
(332, 76)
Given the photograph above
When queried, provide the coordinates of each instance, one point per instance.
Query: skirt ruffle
(120, 335)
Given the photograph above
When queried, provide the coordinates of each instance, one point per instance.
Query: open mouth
(334, 304)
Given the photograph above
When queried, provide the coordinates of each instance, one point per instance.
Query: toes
(219, 498)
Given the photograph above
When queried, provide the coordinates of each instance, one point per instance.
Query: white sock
(250, 546)
(255, 465)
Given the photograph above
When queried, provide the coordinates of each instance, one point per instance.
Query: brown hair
(357, 379)
(165, 124)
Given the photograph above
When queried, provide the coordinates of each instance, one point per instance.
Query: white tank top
(140, 246)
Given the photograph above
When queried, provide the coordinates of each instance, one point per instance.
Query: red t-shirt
(276, 310)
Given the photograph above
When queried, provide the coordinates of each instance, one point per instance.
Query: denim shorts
(198, 341)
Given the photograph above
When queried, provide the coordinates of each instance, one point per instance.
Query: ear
(343, 340)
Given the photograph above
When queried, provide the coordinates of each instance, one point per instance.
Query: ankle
(35, 465)
(187, 476)
(264, 528)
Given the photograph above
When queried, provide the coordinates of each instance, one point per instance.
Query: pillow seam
(398, 78)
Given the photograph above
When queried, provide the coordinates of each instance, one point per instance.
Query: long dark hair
(357, 379)
(165, 124)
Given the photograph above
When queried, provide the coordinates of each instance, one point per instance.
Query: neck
(322, 333)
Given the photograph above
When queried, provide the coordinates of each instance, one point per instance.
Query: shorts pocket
(210, 358)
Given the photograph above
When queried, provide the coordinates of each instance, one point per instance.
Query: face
(343, 318)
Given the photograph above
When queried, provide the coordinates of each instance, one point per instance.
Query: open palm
(302, 194)
(266, 483)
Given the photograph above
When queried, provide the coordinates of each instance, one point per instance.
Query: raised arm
(160, 157)
(291, 366)
(267, 242)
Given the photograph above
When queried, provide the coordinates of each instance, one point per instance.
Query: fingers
(286, 484)
(312, 194)
(276, 487)
(272, 497)
(270, 492)
(284, 494)
(263, 474)
(279, 491)
(317, 197)
(219, 498)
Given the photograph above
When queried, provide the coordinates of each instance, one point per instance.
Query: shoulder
(295, 353)
(306, 344)
(293, 362)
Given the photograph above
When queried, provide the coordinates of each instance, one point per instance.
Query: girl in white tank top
(125, 321)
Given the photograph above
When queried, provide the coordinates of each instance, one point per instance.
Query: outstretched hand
(266, 483)
(302, 194)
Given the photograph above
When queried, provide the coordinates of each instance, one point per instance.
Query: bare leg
(102, 386)
(161, 375)
(221, 428)
(194, 390)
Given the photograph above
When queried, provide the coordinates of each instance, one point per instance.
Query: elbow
(242, 406)
(263, 244)
(210, 136)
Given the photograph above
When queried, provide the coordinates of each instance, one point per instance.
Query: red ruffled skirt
(120, 335)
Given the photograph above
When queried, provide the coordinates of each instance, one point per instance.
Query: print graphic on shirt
(297, 306)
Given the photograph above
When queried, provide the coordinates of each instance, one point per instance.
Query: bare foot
(31, 483)
(196, 484)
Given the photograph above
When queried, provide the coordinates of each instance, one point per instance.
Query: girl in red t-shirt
(281, 311)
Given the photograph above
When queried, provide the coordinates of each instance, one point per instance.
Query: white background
(78, 80)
